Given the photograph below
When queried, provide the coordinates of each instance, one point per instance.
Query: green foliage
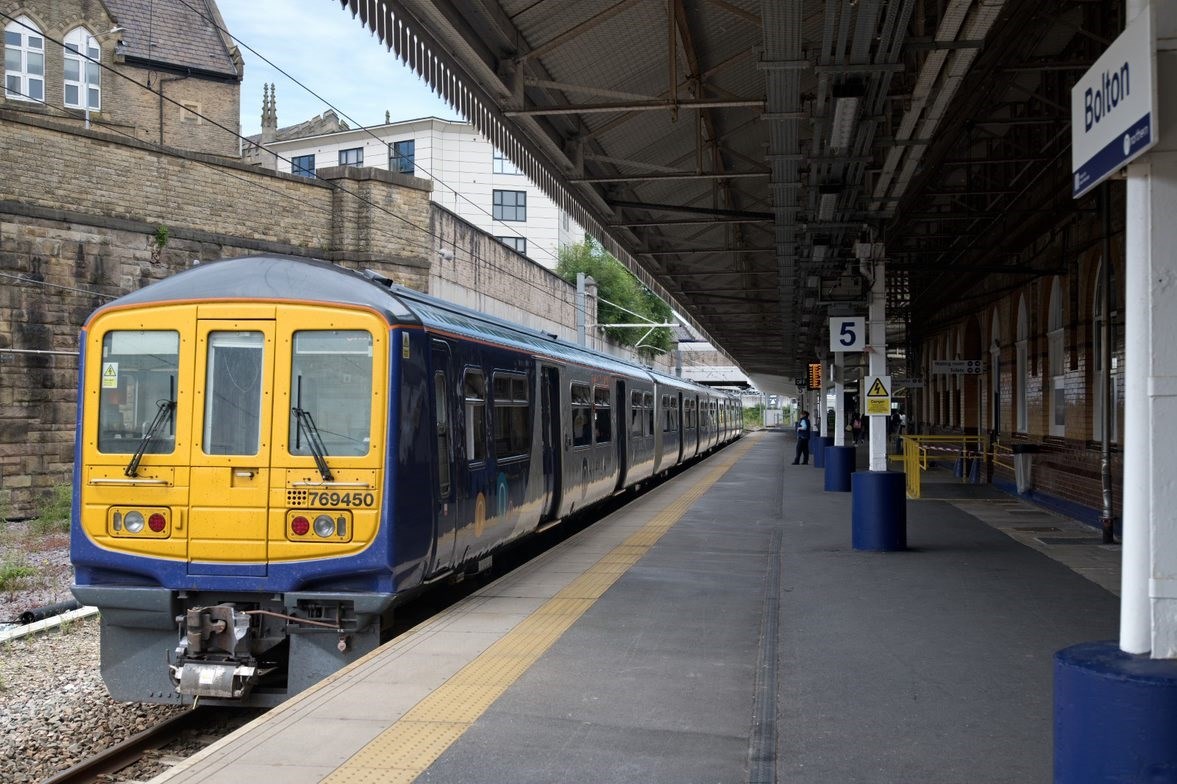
(754, 417)
(618, 286)
(13, 573)
(53, 516)
(161, 236)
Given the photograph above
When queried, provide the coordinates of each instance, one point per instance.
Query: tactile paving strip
(404, 750)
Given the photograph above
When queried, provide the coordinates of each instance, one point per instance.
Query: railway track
(152, 751)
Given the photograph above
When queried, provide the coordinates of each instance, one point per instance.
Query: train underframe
(245, 649)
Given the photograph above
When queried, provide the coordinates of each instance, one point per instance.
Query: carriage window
(636, 415)
(474, 392)
(138, 374)
(602, 418)
(648, 403)
(443, 435)
(582, 409)
(512, 426)
(331, 379)
(233, 393)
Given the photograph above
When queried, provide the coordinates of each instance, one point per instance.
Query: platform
(719, 629)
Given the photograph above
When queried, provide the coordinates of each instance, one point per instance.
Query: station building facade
(1039, 333)
(470, 177)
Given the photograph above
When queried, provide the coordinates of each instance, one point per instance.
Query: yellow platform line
(408, 747)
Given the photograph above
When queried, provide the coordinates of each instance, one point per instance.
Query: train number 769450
(341, 499)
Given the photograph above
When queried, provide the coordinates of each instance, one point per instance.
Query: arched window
(1021, 370)
(995, 372)
(1056, 352)
(82, 73)
(24, 61)
(1101, 392)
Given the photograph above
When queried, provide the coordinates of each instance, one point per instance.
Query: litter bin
(1023, 466)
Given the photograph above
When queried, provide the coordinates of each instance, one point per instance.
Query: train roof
(273, 277)
(269, 278)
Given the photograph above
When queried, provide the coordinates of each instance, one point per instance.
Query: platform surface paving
(718, 629)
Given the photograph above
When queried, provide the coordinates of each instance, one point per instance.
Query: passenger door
(232, 420)
(443, 422)
(553, 448)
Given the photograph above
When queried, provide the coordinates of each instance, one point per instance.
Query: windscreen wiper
(162, 415)
(307, 427)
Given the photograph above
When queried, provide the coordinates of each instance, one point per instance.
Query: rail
(921, 451)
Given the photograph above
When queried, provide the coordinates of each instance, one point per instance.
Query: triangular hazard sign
(109, 371)
(877, 389)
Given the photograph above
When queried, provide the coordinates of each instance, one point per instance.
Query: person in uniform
(803, 430)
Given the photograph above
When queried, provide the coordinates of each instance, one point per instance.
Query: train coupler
(213, 657)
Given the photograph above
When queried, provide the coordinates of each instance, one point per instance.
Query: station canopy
(735, 153)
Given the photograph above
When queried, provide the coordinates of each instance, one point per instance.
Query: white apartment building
(470, 177)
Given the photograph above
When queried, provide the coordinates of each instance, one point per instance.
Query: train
(274, 452)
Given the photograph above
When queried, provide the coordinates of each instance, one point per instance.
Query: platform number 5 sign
(847, 333)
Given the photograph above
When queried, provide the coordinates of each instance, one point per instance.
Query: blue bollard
(818, 446)
(879, 510)
(839, 467)
(1115, 716)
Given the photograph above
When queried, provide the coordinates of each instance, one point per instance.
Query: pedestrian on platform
(856, 428)
(802, 455)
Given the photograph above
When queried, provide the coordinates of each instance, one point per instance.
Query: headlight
(324, 526)
(134, 522)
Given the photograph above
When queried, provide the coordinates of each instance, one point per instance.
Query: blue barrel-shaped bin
(818, 446)
(1115, 715)
(878, 510)
(840, 465)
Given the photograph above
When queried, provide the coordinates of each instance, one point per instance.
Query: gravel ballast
(54, 709)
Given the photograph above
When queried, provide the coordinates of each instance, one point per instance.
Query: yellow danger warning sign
(110, 375)
(878, 399)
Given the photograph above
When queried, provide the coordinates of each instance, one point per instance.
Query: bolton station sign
(1114, 107)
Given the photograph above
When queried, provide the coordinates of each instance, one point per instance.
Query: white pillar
(1148, 616)
(839, 414)
(878, 352)
(1162, 374)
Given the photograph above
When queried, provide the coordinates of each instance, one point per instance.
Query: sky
(322, 46)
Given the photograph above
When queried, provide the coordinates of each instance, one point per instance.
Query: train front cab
(231, 454)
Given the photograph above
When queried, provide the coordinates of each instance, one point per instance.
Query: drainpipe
(160, 82)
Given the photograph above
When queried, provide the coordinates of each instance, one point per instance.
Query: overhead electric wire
(332, 183)
(360, 126)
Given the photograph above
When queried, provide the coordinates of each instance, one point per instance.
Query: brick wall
(1067, 469)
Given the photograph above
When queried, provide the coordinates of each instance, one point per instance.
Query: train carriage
(273, 452)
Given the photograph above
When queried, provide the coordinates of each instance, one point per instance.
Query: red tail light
(300, 525)
(156, 522)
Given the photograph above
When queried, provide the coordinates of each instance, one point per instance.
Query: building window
(352, 157)
(1021, 371)
(503, 165)
(510, 205)
(303, 165)
(1103, 394)
(24, 61)
(82, 72)
(518, 244)
(1056, 338)
(401, 157)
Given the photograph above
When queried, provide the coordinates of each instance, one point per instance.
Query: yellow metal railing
(921, 451)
